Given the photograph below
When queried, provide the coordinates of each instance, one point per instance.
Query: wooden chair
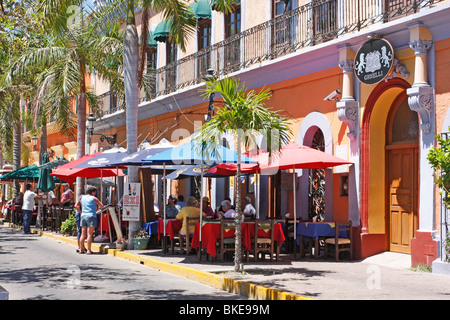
(264, 245)
(226, 244)
(186, 239)
(289, 229)
(340, 244)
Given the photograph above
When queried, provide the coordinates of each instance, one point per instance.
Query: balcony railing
(308, 25)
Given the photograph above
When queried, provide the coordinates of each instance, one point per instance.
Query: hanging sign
(131, 201)
(374, 61)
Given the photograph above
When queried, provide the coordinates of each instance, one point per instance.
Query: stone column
(421, 98)
(348, 112)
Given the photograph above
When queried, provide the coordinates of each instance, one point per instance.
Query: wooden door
(402, 197)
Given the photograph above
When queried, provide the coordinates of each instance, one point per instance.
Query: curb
(239, 287)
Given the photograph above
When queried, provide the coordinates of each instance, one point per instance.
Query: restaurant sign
(131, 201)
(374, 61)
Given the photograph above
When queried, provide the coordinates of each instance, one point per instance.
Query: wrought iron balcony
(308, 25)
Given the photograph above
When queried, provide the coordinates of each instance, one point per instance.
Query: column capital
(420, 46)
(347, 65)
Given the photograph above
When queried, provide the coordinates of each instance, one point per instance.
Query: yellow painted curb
(243, 288)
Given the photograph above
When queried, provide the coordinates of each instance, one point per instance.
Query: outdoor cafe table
(172, 227)
(315, 230)
(210, 236)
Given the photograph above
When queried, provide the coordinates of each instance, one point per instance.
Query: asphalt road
(38, 268)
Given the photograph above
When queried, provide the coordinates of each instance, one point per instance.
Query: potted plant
(69, 226)
(122, 243)
(140, 239)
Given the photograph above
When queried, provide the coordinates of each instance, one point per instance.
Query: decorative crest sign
(374, 61)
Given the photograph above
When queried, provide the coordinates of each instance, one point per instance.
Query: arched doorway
(402, 148)
(316, 192)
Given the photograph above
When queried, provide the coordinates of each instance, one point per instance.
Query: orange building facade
(303, 52)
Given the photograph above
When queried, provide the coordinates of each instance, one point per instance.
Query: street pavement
(39, 268)
(386, 276)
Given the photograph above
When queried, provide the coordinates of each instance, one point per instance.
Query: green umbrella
(46, 182)
(22, 173)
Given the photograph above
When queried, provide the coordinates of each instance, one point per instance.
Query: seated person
(180, 201)
(18, 200)
(172, 208)
(249, 211)
(191, 210)
(207, 209)
(226, 212)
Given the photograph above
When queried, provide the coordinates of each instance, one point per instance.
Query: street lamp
(90, 128)
(210, 76)
(34, 141)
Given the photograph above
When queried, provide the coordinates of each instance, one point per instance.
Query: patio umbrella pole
(201, 213)
(164, 207)
(295, 213)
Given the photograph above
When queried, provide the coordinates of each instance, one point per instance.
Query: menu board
(131, 201)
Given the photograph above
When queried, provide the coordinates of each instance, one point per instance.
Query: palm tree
(183, 25)
(66, 58)
(244, 115)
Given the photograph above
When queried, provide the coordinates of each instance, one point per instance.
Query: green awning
(150, 41)
(162, 31)
(22, 173)
(201, 9)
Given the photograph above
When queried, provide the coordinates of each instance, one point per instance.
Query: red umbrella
(68, 174)
(291, 156)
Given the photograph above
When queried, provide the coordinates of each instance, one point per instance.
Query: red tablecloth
(172, 228)
(248, 233)
(210, 236)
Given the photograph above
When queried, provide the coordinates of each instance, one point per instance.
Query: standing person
(78, 223)
(67, 196)
(27, 208)
(89, 204)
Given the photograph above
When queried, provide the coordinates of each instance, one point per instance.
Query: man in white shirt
(28, 206)
(249, 210)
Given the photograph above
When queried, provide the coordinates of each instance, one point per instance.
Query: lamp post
(111, 139)
(210, 76)
(34, 141)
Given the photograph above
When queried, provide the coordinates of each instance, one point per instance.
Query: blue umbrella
(104, 159)
(135, 159)
(190, 153)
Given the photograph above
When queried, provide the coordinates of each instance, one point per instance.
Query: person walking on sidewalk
(28, 206)
(88, 210)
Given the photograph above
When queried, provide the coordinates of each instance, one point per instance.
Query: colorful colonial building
(365, 80)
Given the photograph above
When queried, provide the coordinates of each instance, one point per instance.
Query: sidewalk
(380, 277)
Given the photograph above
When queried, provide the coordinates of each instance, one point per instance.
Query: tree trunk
(43, 144)
(237, 203)
(17, 144)
(130, 64)
(81, 123)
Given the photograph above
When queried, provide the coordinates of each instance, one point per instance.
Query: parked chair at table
(264, 244)
(339, 243)
(226, 244)
(289, 229)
